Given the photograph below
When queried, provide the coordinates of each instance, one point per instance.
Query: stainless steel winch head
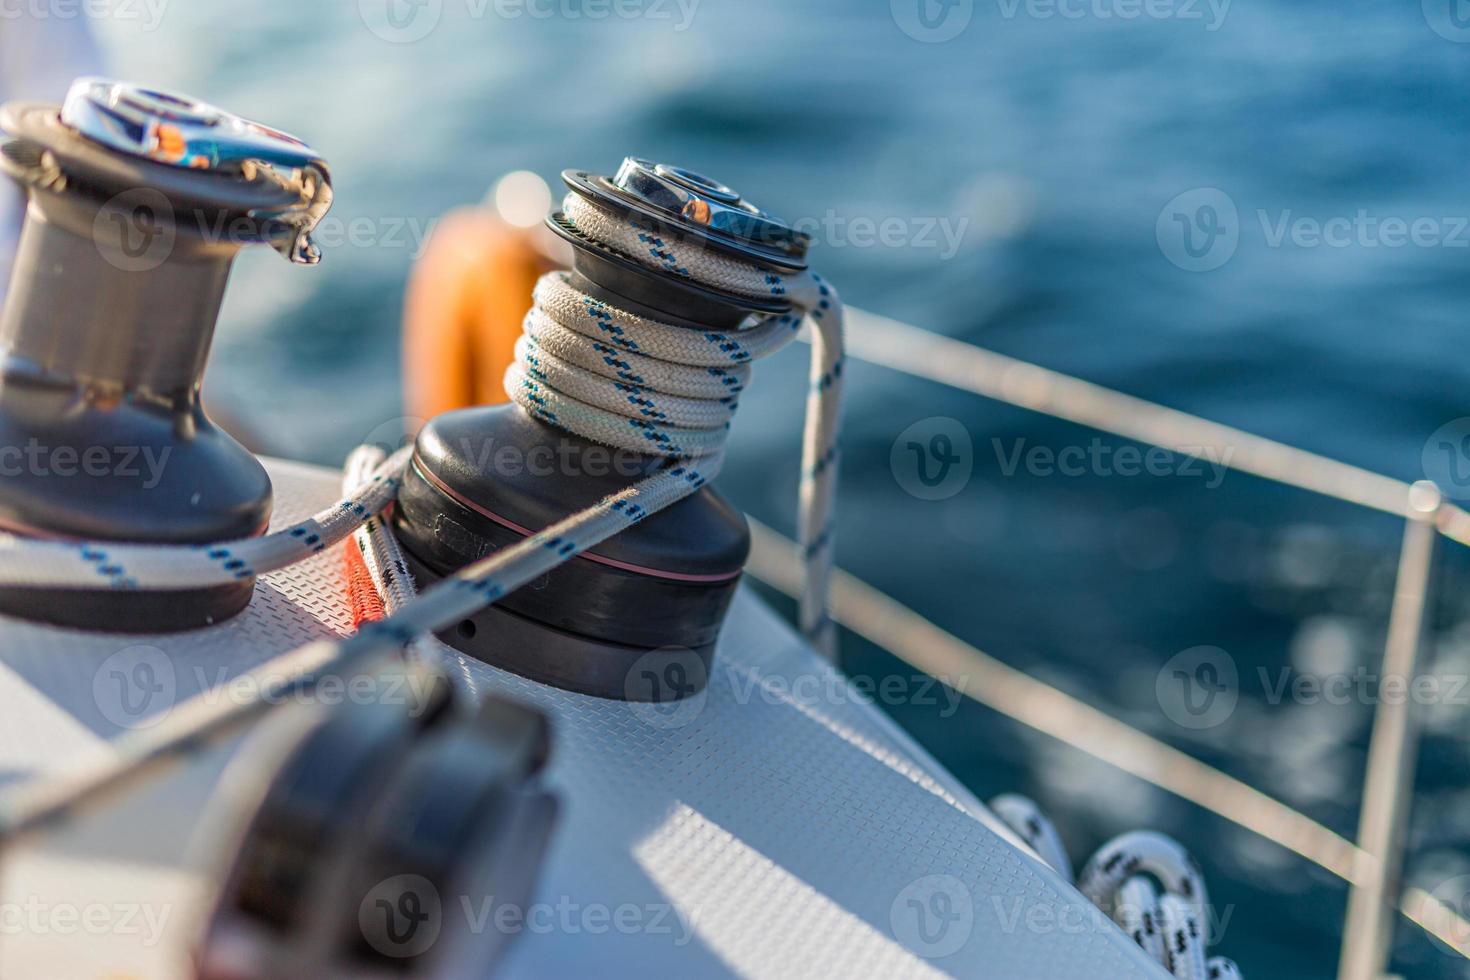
(690, 211)
(176, 129)
(138, 202)
(180, 131)
(708, 204)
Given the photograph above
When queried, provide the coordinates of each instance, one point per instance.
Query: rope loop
(1144, 881)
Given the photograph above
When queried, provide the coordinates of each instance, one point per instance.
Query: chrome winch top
(180, 131)
(697, 205)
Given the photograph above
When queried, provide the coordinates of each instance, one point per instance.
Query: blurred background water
(1052, 145)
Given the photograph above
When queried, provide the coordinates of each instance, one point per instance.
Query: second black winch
(482, 479)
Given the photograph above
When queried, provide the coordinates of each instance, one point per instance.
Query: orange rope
(367, 605)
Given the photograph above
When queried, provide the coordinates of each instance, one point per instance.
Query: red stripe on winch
(526, 533)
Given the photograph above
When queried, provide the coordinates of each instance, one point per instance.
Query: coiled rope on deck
(1145, 881)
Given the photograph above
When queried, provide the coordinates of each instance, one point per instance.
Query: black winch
(138, 202)
(349, 836)
(608, 621)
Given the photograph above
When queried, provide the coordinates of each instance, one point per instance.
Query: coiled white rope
(1146, 882)
(633, 383)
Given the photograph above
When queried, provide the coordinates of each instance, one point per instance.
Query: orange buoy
(467, 297)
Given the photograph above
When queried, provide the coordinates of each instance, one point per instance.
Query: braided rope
(647, 409)
(131, 567)
(1144, 881)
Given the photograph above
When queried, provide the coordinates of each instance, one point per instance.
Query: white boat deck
(776, 826)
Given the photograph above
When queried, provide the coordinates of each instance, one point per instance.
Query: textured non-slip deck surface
(775, 826)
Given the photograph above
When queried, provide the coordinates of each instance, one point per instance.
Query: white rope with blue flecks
(93, 565)
(1145, 881)
(693, 460)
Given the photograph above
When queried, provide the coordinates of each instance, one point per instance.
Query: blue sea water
(1091, 163)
